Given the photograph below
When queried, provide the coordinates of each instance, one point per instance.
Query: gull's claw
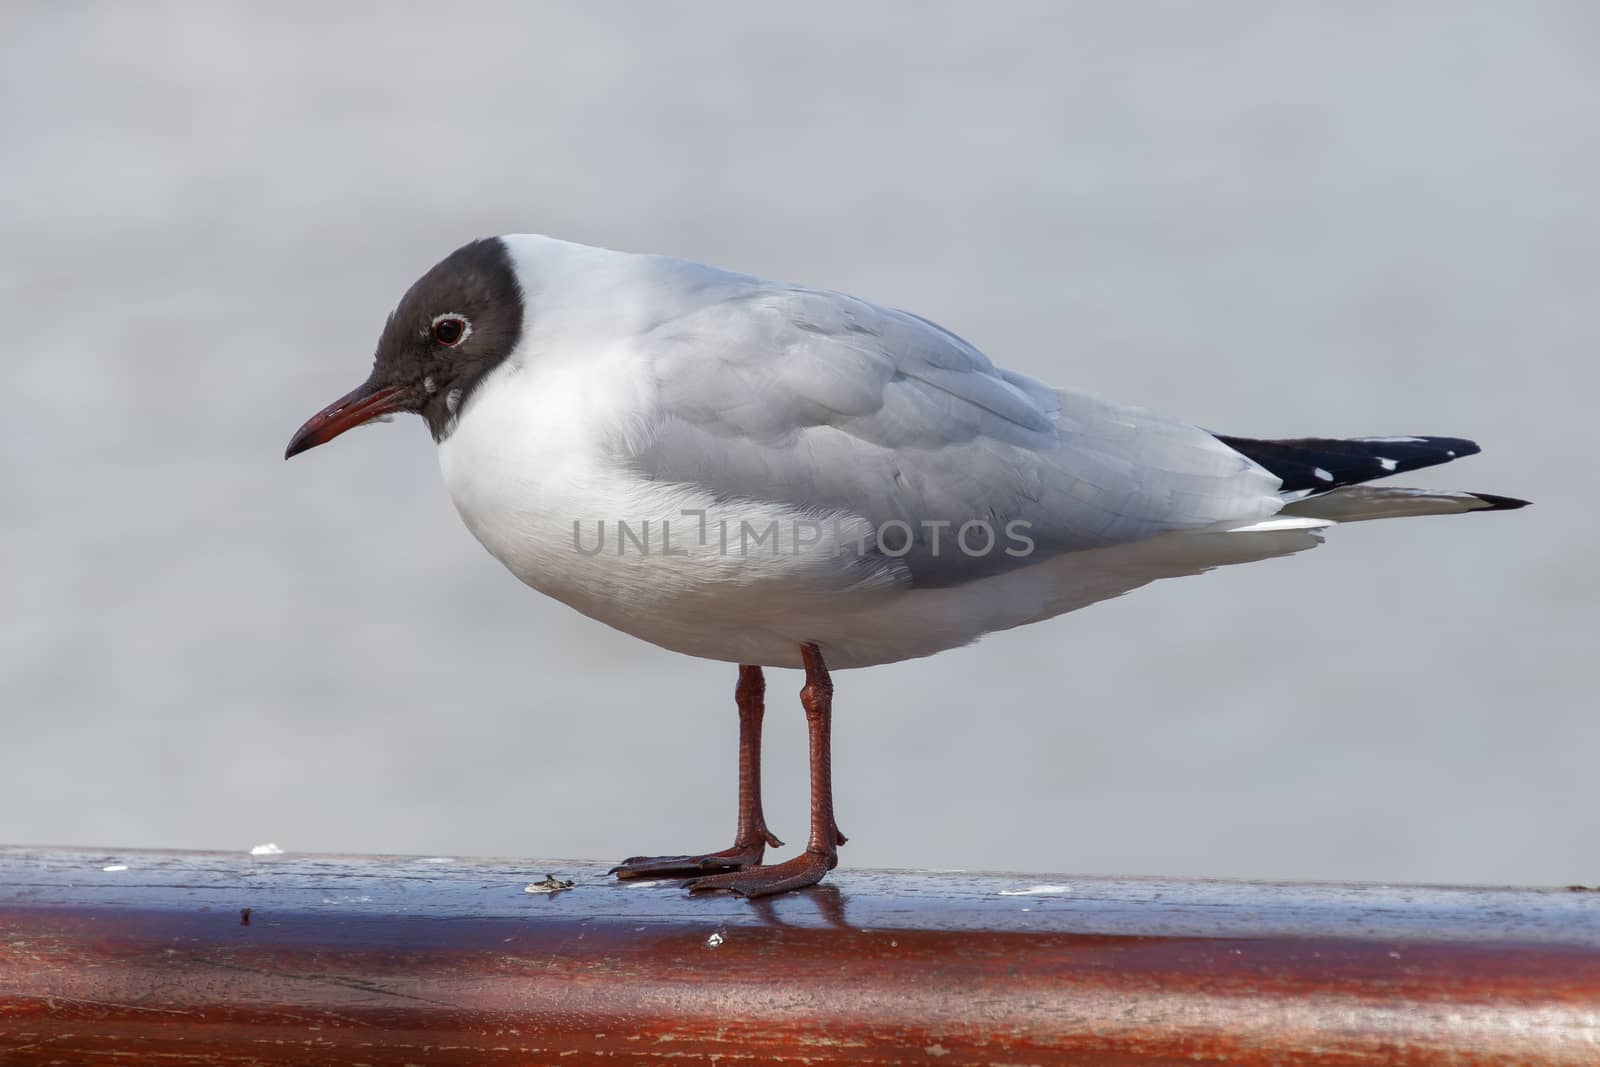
(760, 881)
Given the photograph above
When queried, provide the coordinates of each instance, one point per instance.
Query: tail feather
(1357, 503)
(1309, 465)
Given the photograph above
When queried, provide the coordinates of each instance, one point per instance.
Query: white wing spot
(1388, 464)
(114, 867)
(268, 849)
(1324, 475)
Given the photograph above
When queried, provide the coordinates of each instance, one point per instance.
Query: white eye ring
(466, 328)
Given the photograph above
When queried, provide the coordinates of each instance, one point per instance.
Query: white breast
(533, 471)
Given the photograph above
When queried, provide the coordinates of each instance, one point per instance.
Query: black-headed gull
(779, 476)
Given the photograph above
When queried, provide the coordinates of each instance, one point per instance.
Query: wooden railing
(192, 958)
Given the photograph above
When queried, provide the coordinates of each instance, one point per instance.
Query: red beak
(362, 404)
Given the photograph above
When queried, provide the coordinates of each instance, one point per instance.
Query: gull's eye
(450, 329)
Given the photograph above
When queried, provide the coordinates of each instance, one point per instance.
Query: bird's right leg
(753, 837)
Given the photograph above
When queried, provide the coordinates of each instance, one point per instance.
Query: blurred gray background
(1271, 219)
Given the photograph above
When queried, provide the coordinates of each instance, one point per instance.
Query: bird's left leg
(753, 837)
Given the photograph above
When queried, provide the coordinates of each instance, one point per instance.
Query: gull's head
(456, 324)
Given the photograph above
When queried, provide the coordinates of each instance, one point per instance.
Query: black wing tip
(1447, 448)
(1318, 464)
(1501, 503)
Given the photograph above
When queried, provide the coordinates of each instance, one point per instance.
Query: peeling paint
(551, 884)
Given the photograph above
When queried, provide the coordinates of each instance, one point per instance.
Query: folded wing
(832, 405)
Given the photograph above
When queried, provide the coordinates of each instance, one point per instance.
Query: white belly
(532, 471)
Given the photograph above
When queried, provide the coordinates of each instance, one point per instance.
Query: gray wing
(823, 402)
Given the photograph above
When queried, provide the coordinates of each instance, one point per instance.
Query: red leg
(752, 837)
(822, 849)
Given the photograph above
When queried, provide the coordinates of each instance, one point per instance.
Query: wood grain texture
(190, 958)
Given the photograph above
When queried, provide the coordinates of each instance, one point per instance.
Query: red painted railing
(197, 958)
